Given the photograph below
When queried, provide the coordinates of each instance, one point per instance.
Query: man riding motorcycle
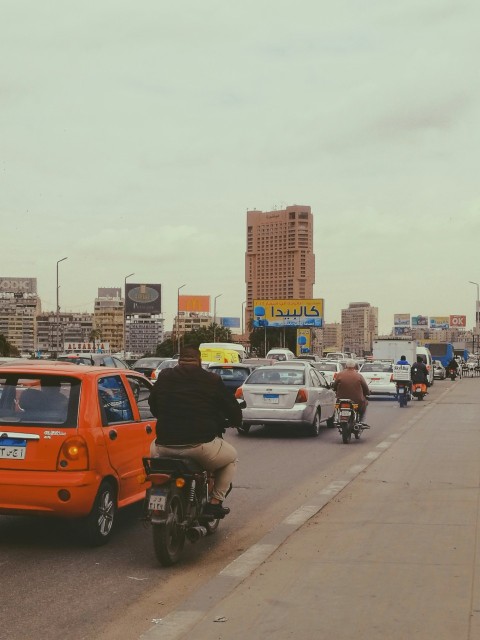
(419, 371)
(192, 406)
(350, 384)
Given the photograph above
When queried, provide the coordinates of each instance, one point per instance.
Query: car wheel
(331, 422)
(314, 429)
(99, 524)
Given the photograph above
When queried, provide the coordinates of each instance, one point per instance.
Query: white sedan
(329, 368)
(287, 394)
(379, 377)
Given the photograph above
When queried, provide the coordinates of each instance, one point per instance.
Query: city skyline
(136, 141)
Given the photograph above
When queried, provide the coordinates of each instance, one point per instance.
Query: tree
(274, 336)
(166, 349)
(7, 349)
(213, 333)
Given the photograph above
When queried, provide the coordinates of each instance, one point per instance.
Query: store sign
(459, 322)
(304, 341)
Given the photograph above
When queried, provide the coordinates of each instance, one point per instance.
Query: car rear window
(377, 368)
(277, 376)
(230, 374)
(325, 367)
(39, 400)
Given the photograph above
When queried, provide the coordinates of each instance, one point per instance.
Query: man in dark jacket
(192, 406)
(419, 371)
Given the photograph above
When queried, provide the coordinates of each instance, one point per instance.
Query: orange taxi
(72, 441)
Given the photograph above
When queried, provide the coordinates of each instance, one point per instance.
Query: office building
(332, 337)
(279, 261)
(71, 328)
(359, 328)
(19, 307)
(109, 317)
(144, 332)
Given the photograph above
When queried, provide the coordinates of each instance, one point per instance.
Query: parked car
(233, 374)
(329, 368)
(94, 360)
(72, 440)
(289, 395)
(379, 377)
(439, 372)
(147, 365)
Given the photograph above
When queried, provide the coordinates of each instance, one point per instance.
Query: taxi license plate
(157, 501)
(271, 398)
(13, 449)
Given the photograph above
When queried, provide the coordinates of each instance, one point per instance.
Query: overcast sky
(135, 136)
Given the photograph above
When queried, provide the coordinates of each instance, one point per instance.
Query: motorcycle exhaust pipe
(195, 533)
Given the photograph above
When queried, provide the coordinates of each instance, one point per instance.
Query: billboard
(143, 298)
(419, 321)
(231, 323)
(304, 341)
(458, 322)
(288, 313)
(439, 322)
(18, 285)
(401, 319)
(401, 331)
(197, 304)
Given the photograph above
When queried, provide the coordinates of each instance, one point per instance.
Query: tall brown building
(279, 261)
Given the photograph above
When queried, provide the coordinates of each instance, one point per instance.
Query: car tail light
(73, 455)
(302, 396)
(159, 478)
(239, 393)
(153, 375)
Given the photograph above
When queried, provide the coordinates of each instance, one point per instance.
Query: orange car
(72, 441)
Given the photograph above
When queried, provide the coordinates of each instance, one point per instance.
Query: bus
(442, 351)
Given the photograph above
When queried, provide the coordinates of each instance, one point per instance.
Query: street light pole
(215, 316)
(178, 317)
(125, 314)
(243, 313)
(58, 308)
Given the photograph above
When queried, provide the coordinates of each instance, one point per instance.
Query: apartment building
(109, 318)
(279, 261)
(332, 337)
(19, 307)
(359, 327)
(54, 332)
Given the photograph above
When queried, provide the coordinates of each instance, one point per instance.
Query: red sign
(458, 321)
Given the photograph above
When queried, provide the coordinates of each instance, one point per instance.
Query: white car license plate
(271, 398)
(157, 502)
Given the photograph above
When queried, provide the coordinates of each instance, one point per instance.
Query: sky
(134, 137)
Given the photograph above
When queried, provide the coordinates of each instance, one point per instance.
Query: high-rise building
(279, 261)
(359, 327)
(332, 337)
(19, 307)
(109, 317)
(53, 330)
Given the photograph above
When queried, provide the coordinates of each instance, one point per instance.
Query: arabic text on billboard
(143, 298)
(231, 323)
(419, 321)
(458, 322)
(401, 319)
(288, 313)
(304, 341)
(198, 304)
(439, 322)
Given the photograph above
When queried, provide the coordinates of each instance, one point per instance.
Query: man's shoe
(216, 510)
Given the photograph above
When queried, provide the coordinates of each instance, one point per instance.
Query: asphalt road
(53, 587)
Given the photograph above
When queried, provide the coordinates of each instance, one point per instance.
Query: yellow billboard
(288, 313)
(304, 341)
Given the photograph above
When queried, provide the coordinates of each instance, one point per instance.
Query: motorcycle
(175, 503)
(403, 393)
(347, 420)
(419, 390)
(452, 373)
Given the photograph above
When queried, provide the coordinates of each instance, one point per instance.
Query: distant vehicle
(280, 354)
(334, 355)
(165, 364)
(442, 351)
(287, 395)
(219, 354)
(312, 357)
(147, 365)
(393, 350)
(439, 372)
(94, 360)
(379, 377)
(233, 374)
(329, 368)
(239, 348)
(425, 354)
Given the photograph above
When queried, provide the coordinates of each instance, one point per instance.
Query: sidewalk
(394, 555)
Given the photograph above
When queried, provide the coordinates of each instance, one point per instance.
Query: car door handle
(148, 429)
(112, 434)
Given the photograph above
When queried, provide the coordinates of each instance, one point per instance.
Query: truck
(394, 349)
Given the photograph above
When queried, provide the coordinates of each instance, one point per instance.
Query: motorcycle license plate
(345, 412)
(157, 500)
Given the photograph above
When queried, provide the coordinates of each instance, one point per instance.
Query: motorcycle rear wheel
(346, 432)
(169, 536)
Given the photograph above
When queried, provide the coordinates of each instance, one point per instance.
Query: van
(280, 354)
(239, 348)
(428, 360)
(219, 355)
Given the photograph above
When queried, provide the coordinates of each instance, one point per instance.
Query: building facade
(19, 307)
(279, 261)
(359, 328)
(144, 332)
(70, 328)
(332, 337)
(109, 318)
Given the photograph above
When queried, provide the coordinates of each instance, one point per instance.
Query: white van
(428, 360)
(280, 354)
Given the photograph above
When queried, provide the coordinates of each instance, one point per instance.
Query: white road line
(302, 515)
(248, 561)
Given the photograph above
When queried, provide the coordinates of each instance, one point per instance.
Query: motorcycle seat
(172, 464)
